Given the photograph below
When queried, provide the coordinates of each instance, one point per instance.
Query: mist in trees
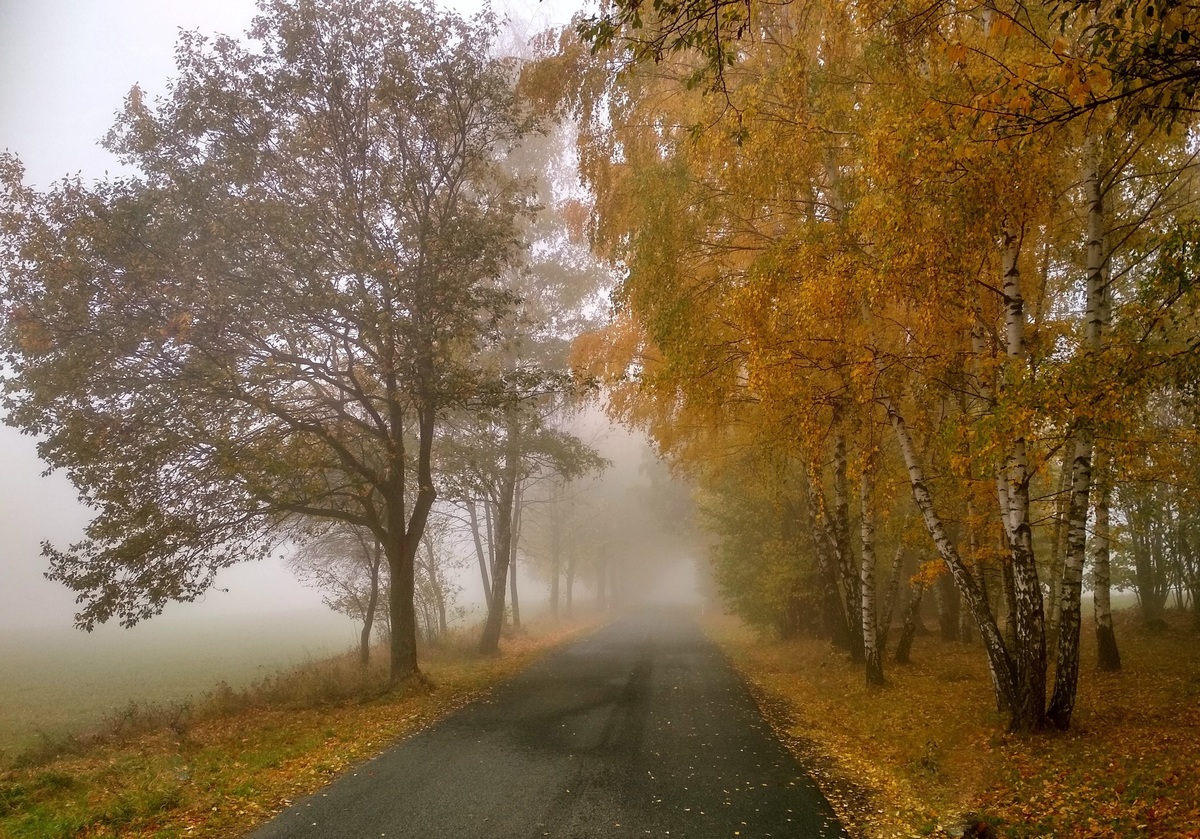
(905, 306)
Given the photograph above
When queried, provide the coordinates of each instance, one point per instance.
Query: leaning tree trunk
(870, 626)
(1002, 669)
(1066, 679)
(480, 555)
(1108, 656)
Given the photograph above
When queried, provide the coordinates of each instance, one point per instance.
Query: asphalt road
(640, 729)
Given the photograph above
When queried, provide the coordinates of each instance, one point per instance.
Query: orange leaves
(178, 327)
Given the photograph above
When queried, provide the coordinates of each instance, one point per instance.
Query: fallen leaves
(913, 758)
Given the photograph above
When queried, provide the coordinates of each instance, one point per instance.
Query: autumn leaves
(923, 237)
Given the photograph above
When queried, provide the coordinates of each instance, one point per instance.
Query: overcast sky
(65, 67)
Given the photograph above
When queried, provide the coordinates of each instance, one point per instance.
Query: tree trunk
(946, 597)
(512, 559)
(893, 594)
(1003, 671)
(572, 558)
(489, 519)
(435, 588)
(364, 645)
(402, 538)
(473, 515)
(489, 642)
(512, 584)
(1029, 653)
(402, 608)
(870, 626)
(908, 632)
(1066, 677)
(833, 615)
(1061, 499)
(1108, 655)
(841, 535)
(555, 564)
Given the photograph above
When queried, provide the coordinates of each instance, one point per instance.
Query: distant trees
(275, 314)
(347, 564)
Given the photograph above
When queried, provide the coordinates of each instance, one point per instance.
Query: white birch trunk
(1062, 703)
(999, 663)
(870, 626)
(1029, 654)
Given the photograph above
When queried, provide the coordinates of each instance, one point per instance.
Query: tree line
(910, 290)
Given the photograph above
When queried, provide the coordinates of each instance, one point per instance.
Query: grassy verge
(915, 758)
(221, 765)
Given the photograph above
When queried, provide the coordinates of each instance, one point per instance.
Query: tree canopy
(274, 313)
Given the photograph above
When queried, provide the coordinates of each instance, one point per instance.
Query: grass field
(60, 680)
(236, 756)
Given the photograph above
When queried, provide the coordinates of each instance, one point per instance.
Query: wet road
(639, 729)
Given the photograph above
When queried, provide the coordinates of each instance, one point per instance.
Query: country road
(639, 729)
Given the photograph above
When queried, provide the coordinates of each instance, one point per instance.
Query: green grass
(233, 757)
(61, 681)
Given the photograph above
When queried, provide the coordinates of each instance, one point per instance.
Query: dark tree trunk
(364, 645)
(489, 642)
(403, 538)
(912, 620)
(473, 515)
(1107, 654)
(512, 559)
(841, 534)
(947, 606)
(833, 615)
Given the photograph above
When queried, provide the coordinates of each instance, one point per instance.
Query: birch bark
(1029, 654)
(870, 627)
(1062, 703)
(1000, 664)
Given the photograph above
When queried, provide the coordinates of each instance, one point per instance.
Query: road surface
(639, 729)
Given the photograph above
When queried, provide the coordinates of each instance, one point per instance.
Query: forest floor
(229, 761)
(927, 752)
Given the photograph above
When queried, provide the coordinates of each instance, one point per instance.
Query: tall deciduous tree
(274, 314)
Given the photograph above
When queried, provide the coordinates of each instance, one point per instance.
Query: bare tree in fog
(347, 564)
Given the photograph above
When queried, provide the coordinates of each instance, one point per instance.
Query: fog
(66, 66)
